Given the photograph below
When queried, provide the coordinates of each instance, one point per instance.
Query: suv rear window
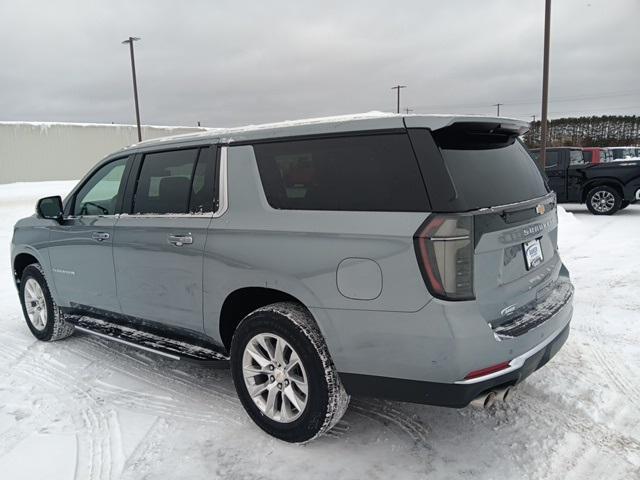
(489, 169)
(356, 173)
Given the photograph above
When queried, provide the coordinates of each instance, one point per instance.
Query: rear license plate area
(532, 253)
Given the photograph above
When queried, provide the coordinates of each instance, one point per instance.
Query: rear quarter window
(354, 173)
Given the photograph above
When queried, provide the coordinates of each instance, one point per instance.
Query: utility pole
(130, 41)
(497, 105)
(408, 110)
(545, 84)
(398, 87)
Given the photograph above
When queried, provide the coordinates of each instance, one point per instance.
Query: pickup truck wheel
(603, 200)
(43, 316)
(284, 375)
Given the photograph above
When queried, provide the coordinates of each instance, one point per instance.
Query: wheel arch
(239, 303)
(608, 181)
(21, 261)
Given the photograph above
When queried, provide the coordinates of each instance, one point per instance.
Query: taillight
(444, 247)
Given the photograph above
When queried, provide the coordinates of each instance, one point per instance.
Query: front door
(159, 245)
(81, 246)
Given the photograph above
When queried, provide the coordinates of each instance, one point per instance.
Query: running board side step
(150, 342)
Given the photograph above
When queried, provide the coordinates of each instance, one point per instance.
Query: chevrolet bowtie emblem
(540, 209)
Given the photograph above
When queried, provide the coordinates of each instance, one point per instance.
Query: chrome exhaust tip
(503, 394)
(484, 400)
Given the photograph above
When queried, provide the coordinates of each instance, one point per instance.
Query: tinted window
(576, 157)
(367, 173)
(552, 159)
(164, 182)
(489, 177)
(99, 194)
(588, 156)
(202, 187)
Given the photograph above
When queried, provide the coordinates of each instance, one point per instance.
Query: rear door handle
(100, 236)
(180, 240)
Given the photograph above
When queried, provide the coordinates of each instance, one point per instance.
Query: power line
(532, 102)
(565, 112)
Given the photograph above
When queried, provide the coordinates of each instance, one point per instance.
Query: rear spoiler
(478, 135)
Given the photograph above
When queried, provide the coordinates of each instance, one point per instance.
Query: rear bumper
(458, 394)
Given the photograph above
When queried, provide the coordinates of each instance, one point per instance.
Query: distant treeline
(604, 131)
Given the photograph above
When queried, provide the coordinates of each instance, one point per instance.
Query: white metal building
(37, 151)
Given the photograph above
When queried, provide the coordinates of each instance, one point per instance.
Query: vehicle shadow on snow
(631, 210)
(187, 391)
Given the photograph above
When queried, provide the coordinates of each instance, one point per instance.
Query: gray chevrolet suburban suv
(407, 257)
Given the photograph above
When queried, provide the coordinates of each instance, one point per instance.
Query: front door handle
(180, 240)
(100, 236)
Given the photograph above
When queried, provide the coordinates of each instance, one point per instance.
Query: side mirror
(50, 207)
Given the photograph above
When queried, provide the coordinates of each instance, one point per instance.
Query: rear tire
(279, 347)
(603, 200)
(43, 316)
(624, 204)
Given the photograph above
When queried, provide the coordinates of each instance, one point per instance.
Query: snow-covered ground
(88, 409)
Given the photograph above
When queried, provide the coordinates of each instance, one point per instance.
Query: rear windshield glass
(365, 172)
(489, 177)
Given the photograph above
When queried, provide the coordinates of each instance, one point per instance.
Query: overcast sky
(233, 63)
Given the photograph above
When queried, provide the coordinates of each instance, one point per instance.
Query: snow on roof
(231, 134)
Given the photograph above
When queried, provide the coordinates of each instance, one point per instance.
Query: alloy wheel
(275, 377)
(36, 304)
(603, 201)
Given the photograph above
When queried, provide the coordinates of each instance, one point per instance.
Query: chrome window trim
(223, 198)
(223, 185)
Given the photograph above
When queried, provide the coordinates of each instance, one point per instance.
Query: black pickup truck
(604, 187)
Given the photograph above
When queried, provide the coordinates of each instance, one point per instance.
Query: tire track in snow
(93, 432)
(382, 412)
(610, 361)
(166, 382)
(136, 465)
(587, 428)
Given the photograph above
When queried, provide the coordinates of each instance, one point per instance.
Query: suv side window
(356, 173)
(177, 181)
(576, 157)
(98, 196)
(551, 160)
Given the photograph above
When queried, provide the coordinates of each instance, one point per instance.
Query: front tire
(43, 316)
(603, 200)
(284, 375)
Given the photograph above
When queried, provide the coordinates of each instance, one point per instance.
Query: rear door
(575, 174)
(556, 171)
(159, 244)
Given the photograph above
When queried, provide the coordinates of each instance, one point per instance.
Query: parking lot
(91, 409)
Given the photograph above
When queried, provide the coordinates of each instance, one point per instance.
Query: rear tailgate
(516, 293)
(483, 171)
